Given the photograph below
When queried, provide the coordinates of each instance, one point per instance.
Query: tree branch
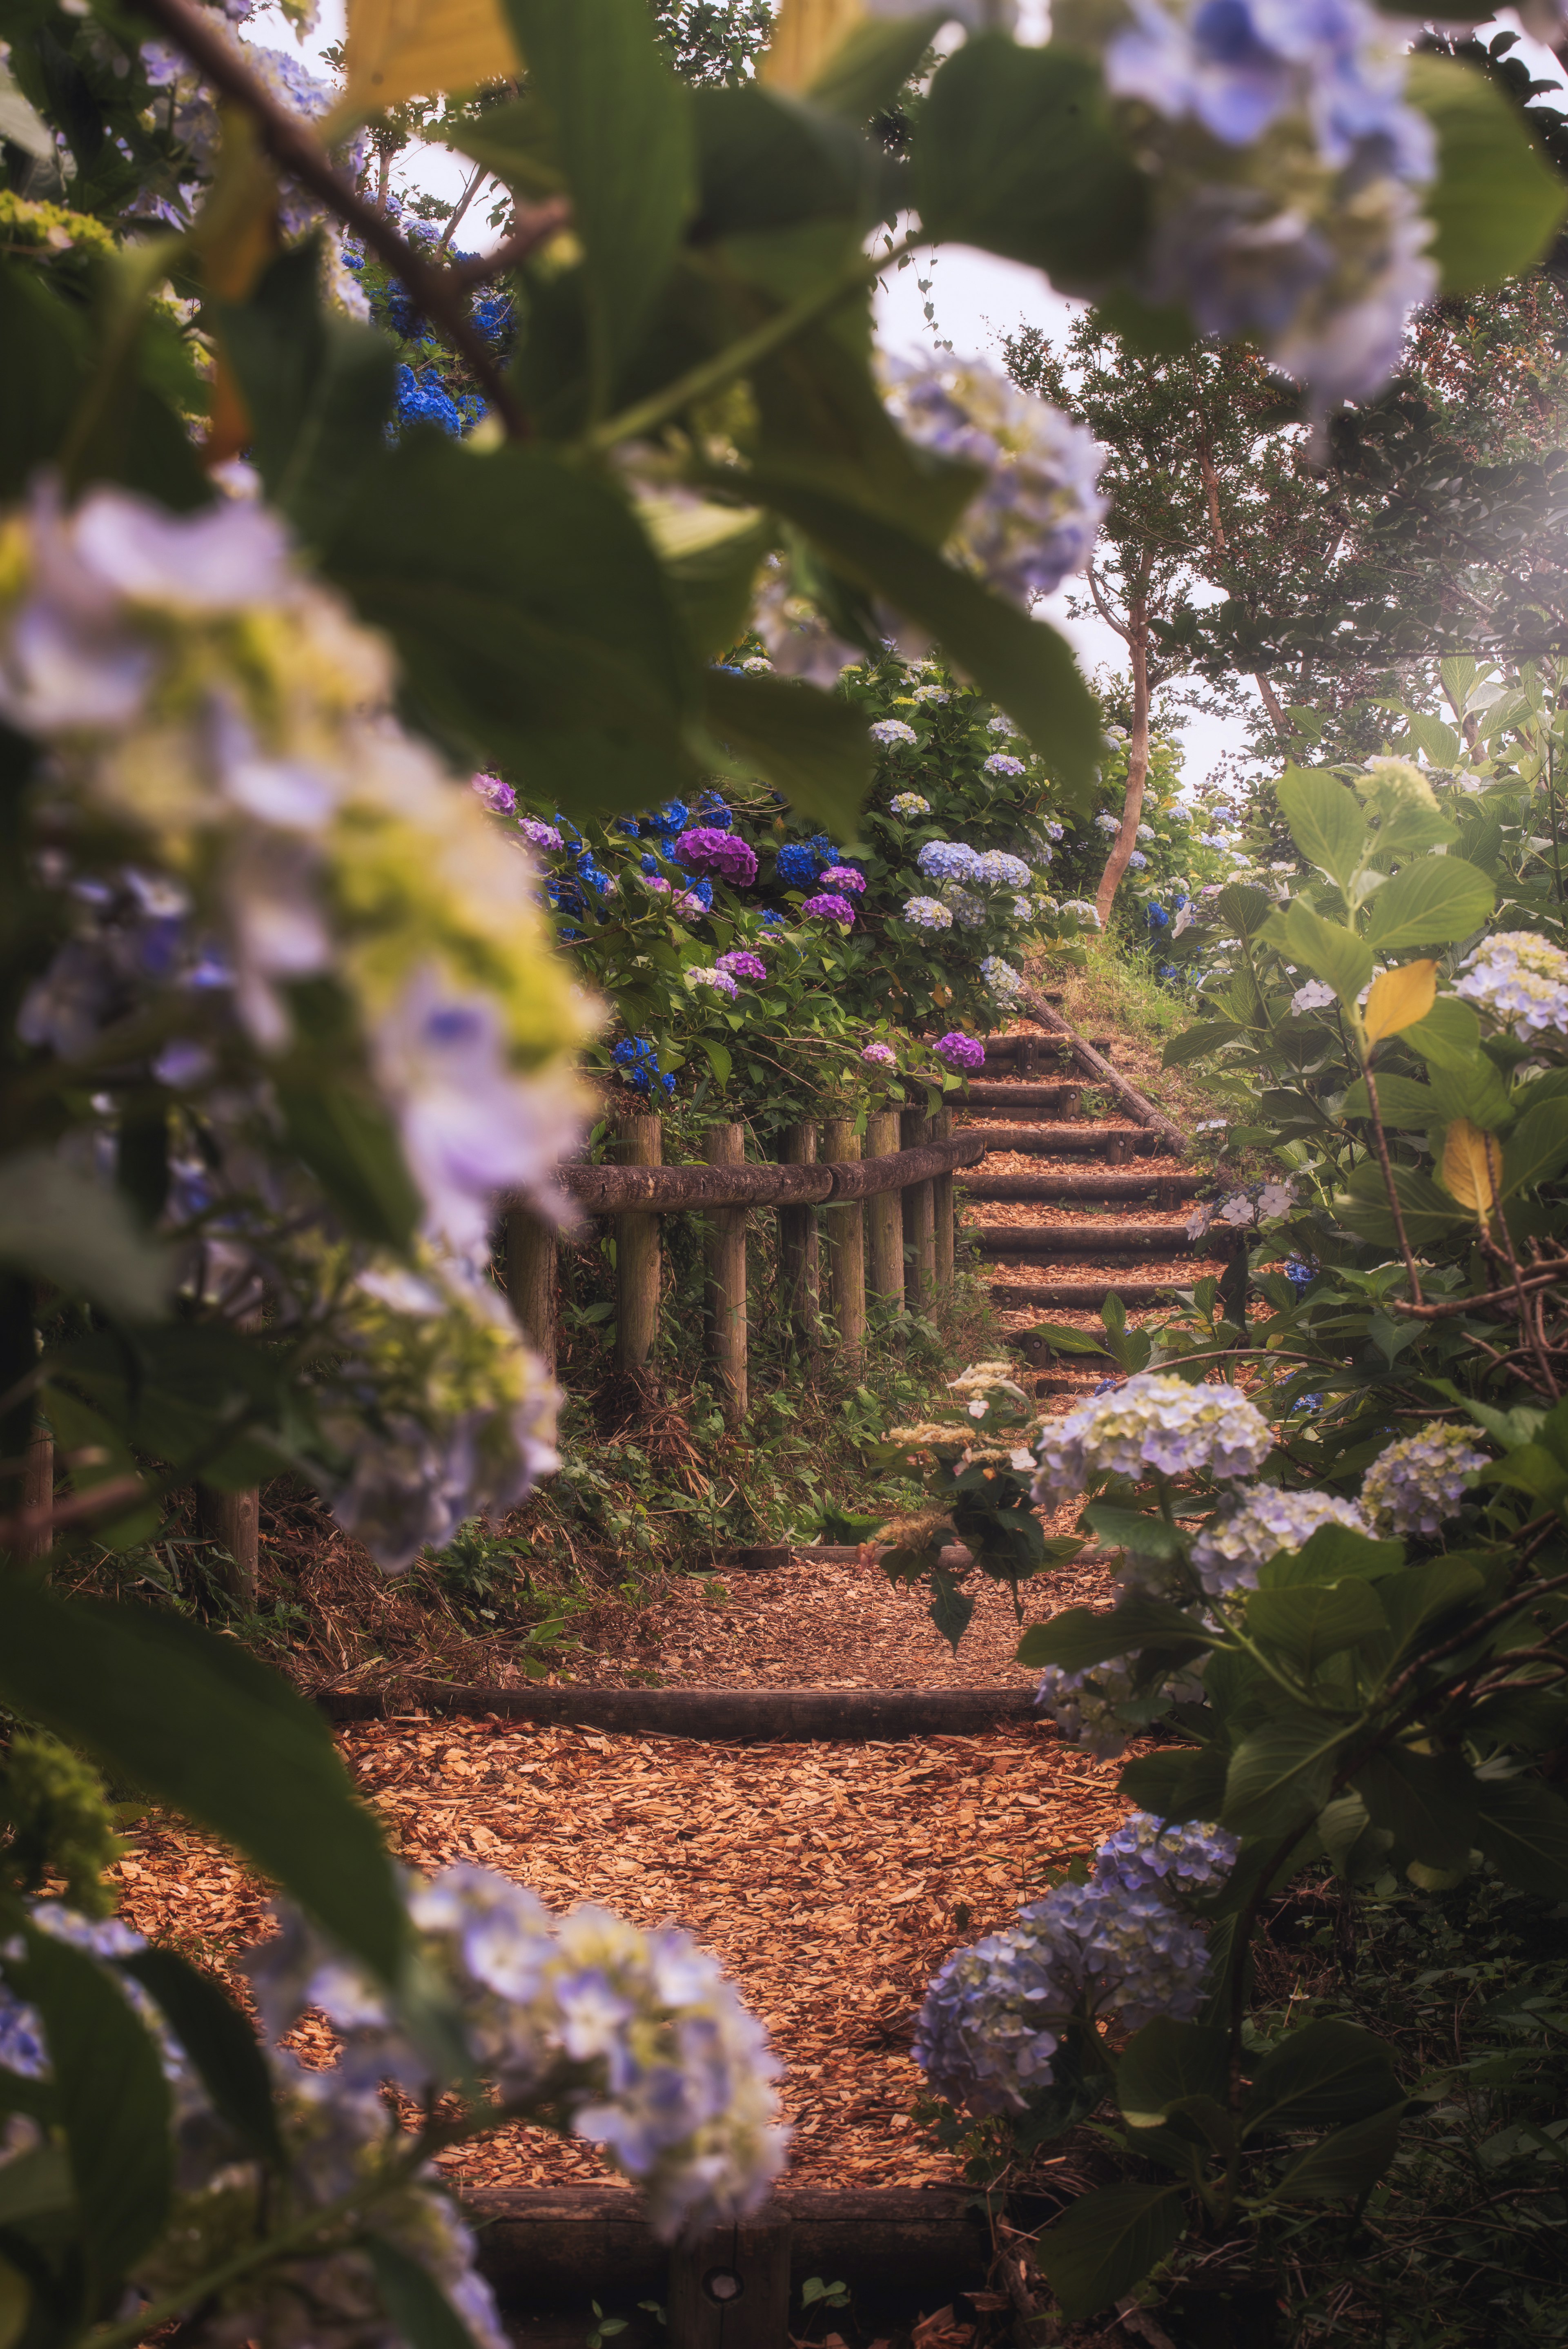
(295, 148)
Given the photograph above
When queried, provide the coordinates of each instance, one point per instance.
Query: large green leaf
(1195, 1043)
(1306, 1624)
(205, 1399)
(1326, 2071)
(317, 387)
(519, 143)
(1345, 2165)
(1182, 1782)
(1020, 664)
(1427, 1801)
(1429, 1212)
(1523, 1827)
(766, 161)
(1329, 952)
(624, 138)
(1281, 1772)
(1018, 151)
(220, 2042)
(422, 2315)
(1429, 903)
(531, 616)
(113, 2102)
(1167, 2061)
(808, 745)
(199, 1725)
(1448, 1037)
(1326, 822)
(1334, 1554)
(1497, 203)
(77, 1234)
(1537, 1149)
(871, 64)
(1081, 1636)
(1106, 2243)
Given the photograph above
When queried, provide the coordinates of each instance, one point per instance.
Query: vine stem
(300, 153)
(1388, 1167)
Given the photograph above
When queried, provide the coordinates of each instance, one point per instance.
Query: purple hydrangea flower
(828, 908)
(708, 850)
(743, 964)
(961, 1051)
(543, 835)
(499, 797)
(880, 1056)
(845, 879)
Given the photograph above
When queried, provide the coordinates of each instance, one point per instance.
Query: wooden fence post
(941, 1122)
(532, 1254)
(637, 1251)
(919, 1221)
(38, 1493)
(846, 1244)
(724, 1251)
(800, 1255)
(234, 1520)
(884, 1215)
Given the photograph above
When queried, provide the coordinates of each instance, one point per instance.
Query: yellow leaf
(1473, 1164)
(1400, 999)
(806, 33)
(411, 49)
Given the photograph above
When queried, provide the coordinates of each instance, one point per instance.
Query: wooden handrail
(665, 1190)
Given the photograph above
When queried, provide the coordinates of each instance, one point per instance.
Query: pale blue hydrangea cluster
(1001, 763)
(927, 914)
(1418, 1482)
(932, 693)
(995, 869)
(968, 910)
(1035, 516)
(1521, 981)
(1003, 983)
(948, 860)
(1084, 908)
(996, 2015)
(908, 804)
(1153, 1422)
(1138, 860)
(893, 734)
(1288, 167)
(1254, 1522)
(1105, 821)
(1314, 995)
(1087, 1706)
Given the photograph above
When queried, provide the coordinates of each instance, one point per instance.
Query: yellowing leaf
(1472, 1167)
(806, 33)
(1400, 999)
(411, 49)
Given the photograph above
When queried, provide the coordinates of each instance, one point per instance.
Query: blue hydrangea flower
(1146, 1856)
(638, 1062)
(948, 860)
(796, 864)
(425, 402)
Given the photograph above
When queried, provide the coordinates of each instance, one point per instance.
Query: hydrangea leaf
(1016, 151)
(806, 744)
(1431, 902)
(1177, 1786)
(421, 2313)
(1325, 822)
(1326, 2071)
(1523, 1827)
(1427, 1801)
(220, 2042)
(807, 38)
(1331, 1555)
(1196, 1042)
(1107, 2242)
(1448, 1037)
(1331, 953)
(81, 1236)
(1398, 998)
(1538, 1147)
(1281, 1773)
(1401, 1102)
(864, 74)
(1425, 1594)
(1346, 2165)
(1363, 1205)
(1497, 203)
(1308, 1623)
(1081, 1636)
(1166, 2062)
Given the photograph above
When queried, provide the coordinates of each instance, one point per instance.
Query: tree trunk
(1271, 702)
(1137, 763)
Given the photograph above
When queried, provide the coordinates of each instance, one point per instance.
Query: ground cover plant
(284, 1016)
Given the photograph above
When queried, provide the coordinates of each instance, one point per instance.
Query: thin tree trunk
(1137, 763)
(1271, 701)
(464, 200)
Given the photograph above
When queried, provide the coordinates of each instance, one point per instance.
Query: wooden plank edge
(709, 1715)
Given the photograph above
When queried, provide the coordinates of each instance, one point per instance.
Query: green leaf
(1497, 203)
(1308, 1624)
(1531, 1468)
(1016, 151)
(1334, 1554)
(1345, 2165)
(1330, 952)
(1448, 1037)
(766, 161)
(1167, 2061)
(1281, 1772)
(1063, 1340)
(1427, 1801)
(1106, 2243)
(1423, 1594)
(113, 2102)
(709, 556)
(870, 67)
(623, 137)
(1429, 903)
(1081, 1636)
(809, 745)
(81, 1236)
(32, 2185)
(220, 2042)
(951, 1607)
(1325, 822)
(1429, 1212)
(1326, 2071)
(1439, 742)
(1523, 1827)
(197, 1396)
(1129, 1530)
(1020, 664)
(719, 1058)
(518, 142)
(1195, 1043)
(317, 387)
(1183, 1784)
(348, 1139)
(1537, 1149)
(531, 616)
(1244, 907)
(421, 2314)
(201, 1726)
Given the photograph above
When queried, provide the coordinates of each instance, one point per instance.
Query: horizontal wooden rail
(742, 1716)
(665, 1190)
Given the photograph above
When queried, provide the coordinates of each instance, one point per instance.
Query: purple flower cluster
(499, 797)
(543, 835)
(830, 907)
(960, 1051)
(708, 850)
(847, 879)
(743, 964)
(880, 1056)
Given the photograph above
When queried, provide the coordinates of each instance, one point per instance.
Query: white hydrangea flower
(1003, 983)
(927, 914)
(1417, 1484)
(1087, 913)
(935, 693)
(1153, 1422)
(1106, 822)
(1521, 981)
(1254, 1522)
(1313, 997)
(893, 734)
(908, 804)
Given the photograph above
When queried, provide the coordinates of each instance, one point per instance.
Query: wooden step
(1094, 1237)
(1073, 1296)
(978, 1094)
(729, 1716)
(1165, 1190)
(1028, 1051)
(1115, 1144)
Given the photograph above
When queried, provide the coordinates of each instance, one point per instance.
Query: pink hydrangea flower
(708, 850)
(543, 835)
(845, 880)
(743, 964)
(882, 1056)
